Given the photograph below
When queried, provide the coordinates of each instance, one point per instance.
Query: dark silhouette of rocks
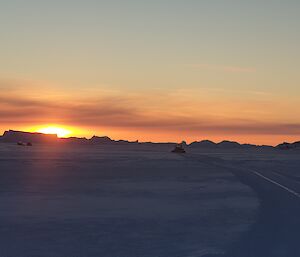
(108, 141)
(207, 144)
(13, 136)
(229, 144)
(100, 140)
(203, 144)
(287, 146)
(212, 145)
(74, 140)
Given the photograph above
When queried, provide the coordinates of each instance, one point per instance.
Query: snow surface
(117, 201)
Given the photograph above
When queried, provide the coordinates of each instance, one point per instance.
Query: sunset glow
(205, 76)
(59, 131)
(150, 128)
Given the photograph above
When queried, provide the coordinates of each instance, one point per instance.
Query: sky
(159, 70)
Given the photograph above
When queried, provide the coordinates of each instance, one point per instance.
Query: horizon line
(138, 141)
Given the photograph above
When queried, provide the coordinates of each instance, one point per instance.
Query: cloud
(19, 110)
(27, 104)
(128, 113)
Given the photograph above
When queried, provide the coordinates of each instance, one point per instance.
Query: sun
(59, 131)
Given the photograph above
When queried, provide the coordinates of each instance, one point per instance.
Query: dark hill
(13, 136)
(287, 146)
(203, 144)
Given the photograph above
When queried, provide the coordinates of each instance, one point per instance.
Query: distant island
(13, 136)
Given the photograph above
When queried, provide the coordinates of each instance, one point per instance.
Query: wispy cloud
(173, 112)
(121, 112)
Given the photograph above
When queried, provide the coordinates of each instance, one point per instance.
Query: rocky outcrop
(13, 136)
(287, 146)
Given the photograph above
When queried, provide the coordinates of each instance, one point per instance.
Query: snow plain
(118, 201)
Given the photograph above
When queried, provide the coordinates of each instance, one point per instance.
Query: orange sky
(150, 115)
(152, 70)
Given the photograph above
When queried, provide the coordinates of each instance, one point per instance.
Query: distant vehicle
(24, 144)
(179, 149)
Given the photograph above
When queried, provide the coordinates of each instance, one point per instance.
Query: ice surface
(117, 201)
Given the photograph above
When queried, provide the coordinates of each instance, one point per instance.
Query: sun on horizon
(60, 131)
